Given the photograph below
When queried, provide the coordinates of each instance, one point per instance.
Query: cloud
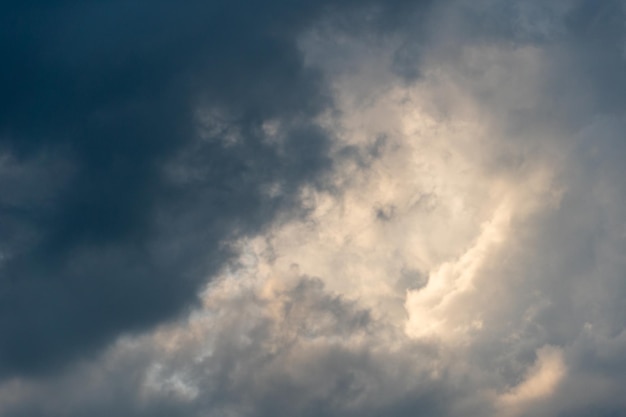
(540, 382)
(378, 211)
(120, 113)
(256, 351)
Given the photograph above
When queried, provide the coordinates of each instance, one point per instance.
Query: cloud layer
(313, 209)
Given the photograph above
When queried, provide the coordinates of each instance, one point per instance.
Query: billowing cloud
(356, 209)
(132, 148)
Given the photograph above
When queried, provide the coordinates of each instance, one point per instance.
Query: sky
(353, 208)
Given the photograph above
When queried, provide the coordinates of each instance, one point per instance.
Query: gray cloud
(120, 209)
(502, 184)
(301, 354)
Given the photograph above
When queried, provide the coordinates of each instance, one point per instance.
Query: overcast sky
(331, 208)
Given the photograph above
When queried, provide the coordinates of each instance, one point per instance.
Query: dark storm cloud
(119, 210)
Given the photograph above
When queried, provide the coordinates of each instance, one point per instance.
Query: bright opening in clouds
(333, 208)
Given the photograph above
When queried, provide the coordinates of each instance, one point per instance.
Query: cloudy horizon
(326, 208)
